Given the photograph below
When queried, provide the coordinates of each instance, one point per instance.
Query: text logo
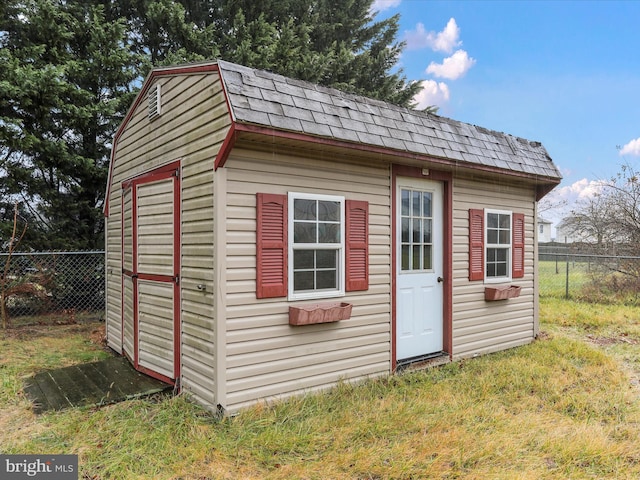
(39, 467)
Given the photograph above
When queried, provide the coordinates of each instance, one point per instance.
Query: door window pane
(416, 225)
(427, 257)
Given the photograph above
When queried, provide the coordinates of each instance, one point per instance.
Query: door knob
(440, 279)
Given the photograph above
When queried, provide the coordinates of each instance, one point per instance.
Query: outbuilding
(267, 236)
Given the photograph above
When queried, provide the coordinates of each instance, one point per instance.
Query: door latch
(440, 279)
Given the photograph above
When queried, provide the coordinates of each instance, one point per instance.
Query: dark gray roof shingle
(267, 99)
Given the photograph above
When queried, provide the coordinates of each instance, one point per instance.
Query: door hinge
(176, 279)
(177, 173)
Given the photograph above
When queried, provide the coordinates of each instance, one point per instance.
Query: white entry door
(419, 283)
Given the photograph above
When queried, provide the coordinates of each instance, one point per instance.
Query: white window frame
(340, 247)
(487, 245)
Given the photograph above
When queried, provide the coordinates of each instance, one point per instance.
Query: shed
(267, 236)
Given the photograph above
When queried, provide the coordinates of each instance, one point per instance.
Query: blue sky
(565, 73)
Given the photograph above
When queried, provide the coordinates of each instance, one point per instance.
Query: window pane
(503, 237)
(304, 232)
(326, 258)
(426, 204)
(492, 237)
(491, 270)
(491, 254)
(416, 230)
(329, 211)
(328, 233)
(492, 220)
(405, 257)
(405, 202)
(427, 258)
(505, 221)
(326, 279)
(405, 230)
(501, 254)
(415, 204)
(426, 231)
(303, 281)
(501, 270)
(416, 258)
(304, 209)
(302, 259)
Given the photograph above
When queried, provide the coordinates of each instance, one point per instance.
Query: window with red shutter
(496, 245)
(357, 245)
(311, 246)
(271, 245)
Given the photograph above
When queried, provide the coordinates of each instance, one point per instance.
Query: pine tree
(69, 70)
(65, 82)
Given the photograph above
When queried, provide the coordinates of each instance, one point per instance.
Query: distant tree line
(69, 70)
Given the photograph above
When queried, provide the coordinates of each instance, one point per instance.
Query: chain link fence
(567, 271)
(39, 285)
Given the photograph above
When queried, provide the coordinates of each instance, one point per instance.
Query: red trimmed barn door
(151, 266)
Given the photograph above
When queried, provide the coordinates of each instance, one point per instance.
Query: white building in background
(565, 233)
(544, 230)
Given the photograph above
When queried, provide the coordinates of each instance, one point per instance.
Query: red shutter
(518, 246)
(476, 244)
(357, 245)
(271, 246)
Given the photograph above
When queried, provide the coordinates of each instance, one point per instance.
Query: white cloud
(578, 190)
(631, 148)
(562, 200)
(432, 93)
(382, 5)
(452, 67)
(444, 41)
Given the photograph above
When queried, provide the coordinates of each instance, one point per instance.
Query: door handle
(440, 279)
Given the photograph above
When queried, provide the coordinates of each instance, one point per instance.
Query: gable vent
(154, 102)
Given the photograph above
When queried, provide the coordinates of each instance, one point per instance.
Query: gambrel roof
(266, 99)
(265, 103)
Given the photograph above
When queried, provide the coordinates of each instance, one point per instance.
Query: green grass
(561, 407)
(587, 282)
(553, 278)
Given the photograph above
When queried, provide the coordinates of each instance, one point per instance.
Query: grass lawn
(565, 406)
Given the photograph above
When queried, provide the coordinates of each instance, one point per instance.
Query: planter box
(319, 313)
(501, 293)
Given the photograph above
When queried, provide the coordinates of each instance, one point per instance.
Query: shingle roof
(267, 99)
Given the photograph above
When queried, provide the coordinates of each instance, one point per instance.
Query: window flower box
(319, 313)
(503, 292)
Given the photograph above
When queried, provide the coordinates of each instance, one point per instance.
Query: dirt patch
(605, 341)
(542, 335)
(94, 330)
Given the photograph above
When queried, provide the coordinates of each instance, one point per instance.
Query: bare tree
(5, 285)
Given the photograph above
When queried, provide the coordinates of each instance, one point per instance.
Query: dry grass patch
(561, 407)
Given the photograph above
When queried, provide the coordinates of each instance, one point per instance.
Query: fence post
(566, 287)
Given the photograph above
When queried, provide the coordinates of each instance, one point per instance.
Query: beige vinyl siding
(479, 326)
(191, 128)
(156, 326)
(113, 279)
(265, 356)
